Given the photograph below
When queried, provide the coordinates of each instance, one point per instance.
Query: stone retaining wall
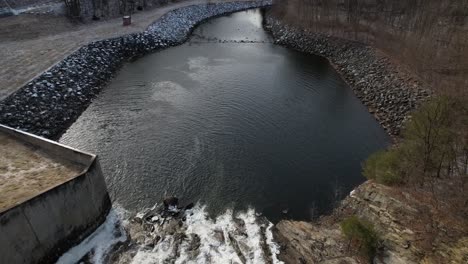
(49, 104)
(389, 93)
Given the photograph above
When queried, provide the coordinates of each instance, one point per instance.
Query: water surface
(229, 124)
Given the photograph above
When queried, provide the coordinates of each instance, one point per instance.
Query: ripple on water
(232, 125)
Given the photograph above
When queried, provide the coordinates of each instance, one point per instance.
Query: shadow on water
(230, 124)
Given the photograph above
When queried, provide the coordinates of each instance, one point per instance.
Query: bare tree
(429, 36)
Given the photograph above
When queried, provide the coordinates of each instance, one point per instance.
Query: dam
(51, 197)
(227, 138)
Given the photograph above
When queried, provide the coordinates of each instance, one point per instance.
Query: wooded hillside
(429, 36)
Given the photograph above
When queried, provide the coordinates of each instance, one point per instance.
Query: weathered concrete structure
(39, 227)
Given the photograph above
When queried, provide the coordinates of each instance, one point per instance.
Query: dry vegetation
(105, 8)
(430, 161)
(428, 36)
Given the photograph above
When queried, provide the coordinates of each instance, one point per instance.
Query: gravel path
(30, 44)
(49, 104)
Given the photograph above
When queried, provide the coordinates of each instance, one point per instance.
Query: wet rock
(194, 242)
(236, 247)
(171, 202)
(189, 206)
(219, 236)
(201, 238)
(172, 227)
(154, 219)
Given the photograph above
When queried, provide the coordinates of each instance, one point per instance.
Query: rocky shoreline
(49, 104)
(386, 90)
(405, 219)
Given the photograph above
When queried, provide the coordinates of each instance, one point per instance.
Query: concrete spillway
(51, 197)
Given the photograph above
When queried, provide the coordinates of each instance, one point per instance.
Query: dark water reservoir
(229, 124)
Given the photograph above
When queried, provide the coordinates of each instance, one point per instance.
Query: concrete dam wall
(49, 213)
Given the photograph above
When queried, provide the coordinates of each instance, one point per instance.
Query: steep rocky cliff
(411, 230)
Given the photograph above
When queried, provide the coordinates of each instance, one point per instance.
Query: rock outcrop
(411, 230)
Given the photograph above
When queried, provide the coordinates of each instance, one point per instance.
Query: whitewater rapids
(192, 237)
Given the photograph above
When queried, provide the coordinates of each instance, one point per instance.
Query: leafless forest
(430, 37)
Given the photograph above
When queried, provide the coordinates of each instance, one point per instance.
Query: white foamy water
(100, 241)
(216, 240)
(229, 238)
